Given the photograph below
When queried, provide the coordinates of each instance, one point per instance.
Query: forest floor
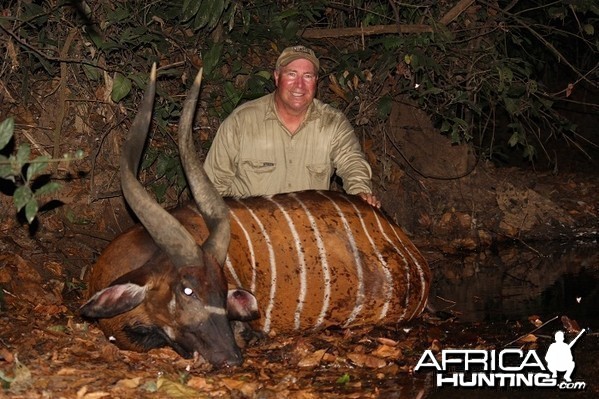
(48, 351)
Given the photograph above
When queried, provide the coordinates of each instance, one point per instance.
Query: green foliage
(344, 379)
(23, 171)
(203, 13)
(168, 172)
(471, 81)
(481, 73)
(121, 87)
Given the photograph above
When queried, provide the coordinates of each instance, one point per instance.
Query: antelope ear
(114, 300)
(242, 305)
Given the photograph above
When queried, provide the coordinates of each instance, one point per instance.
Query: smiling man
(288, 140)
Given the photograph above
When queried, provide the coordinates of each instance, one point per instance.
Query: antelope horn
(166, 231)
(209, 202)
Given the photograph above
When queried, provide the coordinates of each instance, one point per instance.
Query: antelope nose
(233, 359)
(234, 362)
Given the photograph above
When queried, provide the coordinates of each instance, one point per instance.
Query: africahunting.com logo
(505, 368)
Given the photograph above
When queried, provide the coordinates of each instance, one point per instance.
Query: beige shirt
(254, 154)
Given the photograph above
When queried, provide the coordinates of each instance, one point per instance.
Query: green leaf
(589, 29)
(47, 188)
(455, 135)
(211, 58)
(5, 168)
(79, 154)
(76, 219)
(190, 9)
(232, 97)
(511, 105)
(385, 104)
(514, 140)
(529, 152)
(120, 87)
(204, 14)
(445, 126)
(22, 196)
(546, 102)
(159, 191)
(6, 131)
(31, 210)
(22, 156)
(218, 8)
(267, 75)
(91, 72)
(344, 379)
(118, 15)
(291, 29)
(36, 166)
(148, 159)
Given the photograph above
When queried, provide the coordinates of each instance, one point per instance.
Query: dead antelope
(312, 259)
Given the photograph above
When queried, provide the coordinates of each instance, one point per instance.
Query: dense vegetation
(494, 74)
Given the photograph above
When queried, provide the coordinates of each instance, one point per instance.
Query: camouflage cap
(295, 53)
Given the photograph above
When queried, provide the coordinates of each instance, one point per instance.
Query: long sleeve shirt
(254, 154)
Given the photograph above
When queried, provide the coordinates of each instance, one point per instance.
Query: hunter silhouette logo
(559, 356)
(510, 367)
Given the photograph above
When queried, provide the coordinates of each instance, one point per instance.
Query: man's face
(296, 86)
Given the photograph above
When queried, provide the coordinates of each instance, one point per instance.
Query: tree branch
(52, 58)
(320, 33)
(455, 11)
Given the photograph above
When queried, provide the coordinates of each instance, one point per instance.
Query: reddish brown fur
(134, 247)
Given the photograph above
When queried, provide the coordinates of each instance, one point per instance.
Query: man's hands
(371, 199)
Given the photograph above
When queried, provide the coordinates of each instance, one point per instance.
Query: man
(559, 356)
(288, 141)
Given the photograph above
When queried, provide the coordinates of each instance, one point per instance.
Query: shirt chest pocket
(257, 166)
(256, 174)
(319, 174)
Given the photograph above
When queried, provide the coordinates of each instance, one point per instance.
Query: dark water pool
(492, 292)
(517, 282)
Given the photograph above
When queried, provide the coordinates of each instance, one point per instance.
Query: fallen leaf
(301, 394)
(535, 320)
(368, 361)
(175, 389)
(312, 360)
(6, 355)
(387, 352)
(22, 378)
(198, 383)
(248, 389)
(570, 325)
(83, 394)
(528, 338)
(128, 383)
(68, 371)
(386, 341)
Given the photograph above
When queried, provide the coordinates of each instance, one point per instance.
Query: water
(494, 291)
(517, 282)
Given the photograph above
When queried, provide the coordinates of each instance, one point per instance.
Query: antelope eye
(187, 291)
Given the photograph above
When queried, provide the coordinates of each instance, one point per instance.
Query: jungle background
(479, 119)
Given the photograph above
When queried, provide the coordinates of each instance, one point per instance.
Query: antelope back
(318, 258)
